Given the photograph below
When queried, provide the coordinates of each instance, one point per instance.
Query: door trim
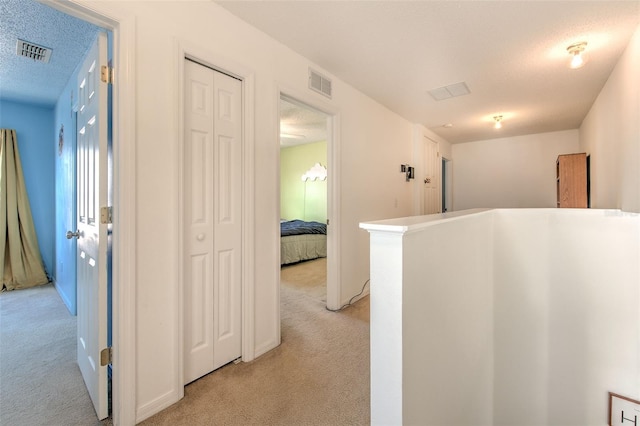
(334, 284)
(124, 208)
(183, 51)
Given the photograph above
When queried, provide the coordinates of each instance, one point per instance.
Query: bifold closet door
(212, 219)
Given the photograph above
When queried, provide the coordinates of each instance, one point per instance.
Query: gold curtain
(20, 260)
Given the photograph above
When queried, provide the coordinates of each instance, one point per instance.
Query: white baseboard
(155, 406)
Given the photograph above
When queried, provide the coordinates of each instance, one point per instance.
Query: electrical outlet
(623, 411)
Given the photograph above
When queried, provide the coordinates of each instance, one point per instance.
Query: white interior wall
(566, 287)
(512, 172)
(374, 142)
(447, 374)
(508, 317)
(611, 134)
(521, 289)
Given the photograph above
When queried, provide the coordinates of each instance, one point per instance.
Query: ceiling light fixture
(575, 50)
(498, 120)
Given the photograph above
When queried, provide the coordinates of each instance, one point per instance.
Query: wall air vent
(33, 51)
(319, 83)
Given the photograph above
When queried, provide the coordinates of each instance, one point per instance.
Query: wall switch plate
(623, 411)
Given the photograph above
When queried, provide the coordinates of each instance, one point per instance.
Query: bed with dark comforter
(300, 240)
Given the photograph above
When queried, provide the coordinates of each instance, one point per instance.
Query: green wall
(300, 200)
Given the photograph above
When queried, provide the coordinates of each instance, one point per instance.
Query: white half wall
(514, 317)
(611, 134)
(567, 288)
(512, 172)
(447, 375)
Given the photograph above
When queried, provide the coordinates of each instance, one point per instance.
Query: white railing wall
(518, 317)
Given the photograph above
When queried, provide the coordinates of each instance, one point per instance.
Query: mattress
(296, 248)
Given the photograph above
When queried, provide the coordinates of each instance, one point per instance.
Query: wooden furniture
(572, 181)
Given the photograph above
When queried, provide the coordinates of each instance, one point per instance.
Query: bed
(300, 240)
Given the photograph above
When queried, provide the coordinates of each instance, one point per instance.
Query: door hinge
(107, 74)
(106, 215)
(106, 356)
(327, 221)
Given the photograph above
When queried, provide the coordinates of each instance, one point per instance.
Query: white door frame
(203, 56)
(447, 191)
(334, 285)
(124, 207)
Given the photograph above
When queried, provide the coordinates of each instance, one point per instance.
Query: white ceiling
(300, 124)
(511, 54)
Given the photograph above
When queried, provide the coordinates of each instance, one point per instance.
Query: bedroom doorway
(305, 210)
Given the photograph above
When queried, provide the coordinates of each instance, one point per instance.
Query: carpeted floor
(319, 375)
(40, 383)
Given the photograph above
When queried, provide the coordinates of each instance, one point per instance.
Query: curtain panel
(20, 259)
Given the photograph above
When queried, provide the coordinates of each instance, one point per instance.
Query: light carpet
(40, 382)
(319, 375)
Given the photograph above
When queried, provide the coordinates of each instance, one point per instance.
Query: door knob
(71, 235)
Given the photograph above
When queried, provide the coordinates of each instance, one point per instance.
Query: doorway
(446, 185)
(62, 266)
(307, 182)
(431, 179)
(123, 267)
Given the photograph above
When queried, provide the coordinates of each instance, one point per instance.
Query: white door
(212, 212)
(431, 179)
(91, 249)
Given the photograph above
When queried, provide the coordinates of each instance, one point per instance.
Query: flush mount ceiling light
(575, 50)
(498, 120)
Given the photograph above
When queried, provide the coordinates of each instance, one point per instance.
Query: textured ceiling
(301, 125)
(511, 54)
(25, 80)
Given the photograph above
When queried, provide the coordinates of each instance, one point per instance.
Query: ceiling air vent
(450, 91)
(33, 51)
(319, 83)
